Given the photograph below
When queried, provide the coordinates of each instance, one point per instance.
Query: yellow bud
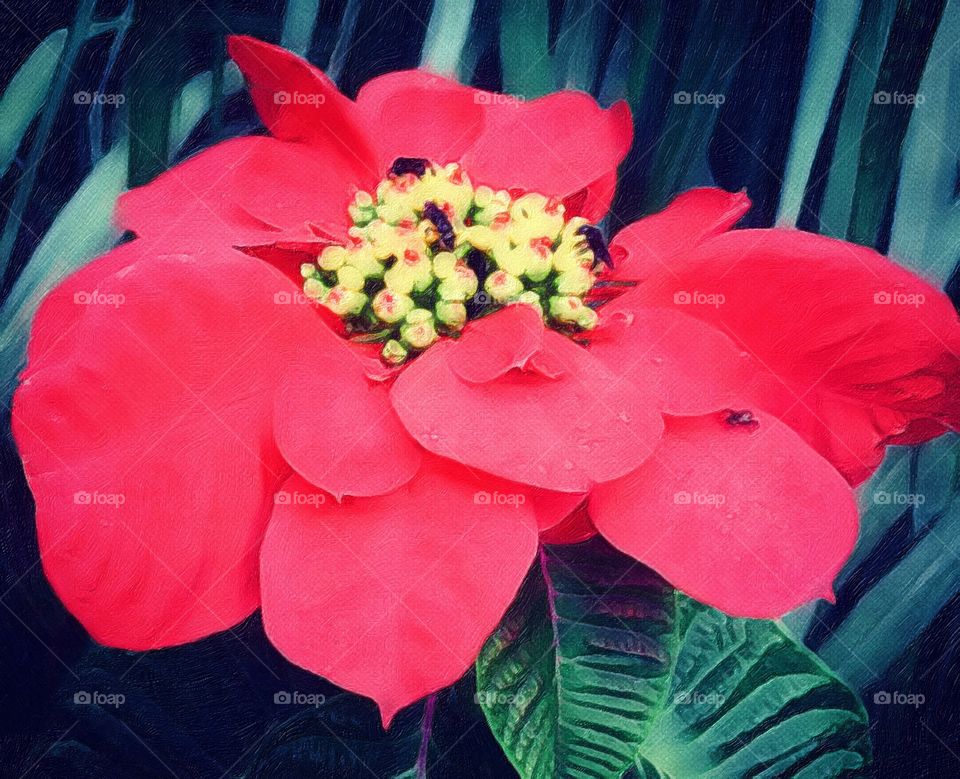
(418, 331)
(514, 261)
(314, 289)
(503, 286)
(332, 257)
(344, 302)
(307, 269)
(534, 216)
(394, 352)
(349, 277)
(453, 314)
(566, 308)
(444, 264)
(575, 282)
(390, 306)
(532, 299)
(363, 260)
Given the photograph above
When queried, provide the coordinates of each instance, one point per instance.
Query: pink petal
(745, 518)
(854, 350)
(250, 191)
(336, 427)
(416, 114)
(558, 145)
(494, 345)
(145, 432)
(649, 245)
(298, 102)
(691, 367)
(565, 423)
(392, 597)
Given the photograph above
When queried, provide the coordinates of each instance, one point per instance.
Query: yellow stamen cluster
(421, 247)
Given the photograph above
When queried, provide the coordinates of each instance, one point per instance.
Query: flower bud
(534, 215)
(461, 285)
(394, 352)
(452, 313)
(349, 277)
(575, 282)
(503, 286)
(418, 331)
(444, 264)
(531, 299)
(344, 302)
(332, 257)
(390, 306)
(314, 289)
(308, 269)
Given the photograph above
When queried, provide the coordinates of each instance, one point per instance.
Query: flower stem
(425, 729)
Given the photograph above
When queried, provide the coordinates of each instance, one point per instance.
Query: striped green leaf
(745, 699)
(580, 661)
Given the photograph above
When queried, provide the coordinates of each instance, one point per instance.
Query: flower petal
(298, 102)
(558, 145)
(854, 350)
(690, 366)
(392, 597)
(245, 192)
(336, 427)
(145, 433)
(745, 518)
(649, 245)
(564, 423)
(494, 345)
(412, 113)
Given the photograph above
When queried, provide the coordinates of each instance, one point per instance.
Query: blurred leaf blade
(25, 94)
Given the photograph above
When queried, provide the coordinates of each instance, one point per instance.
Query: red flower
(201, 439)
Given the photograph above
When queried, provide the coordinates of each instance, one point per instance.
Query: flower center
(430, 251)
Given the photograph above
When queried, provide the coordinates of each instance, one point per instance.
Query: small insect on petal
(441, 221)
(598, 246)
(403, 165)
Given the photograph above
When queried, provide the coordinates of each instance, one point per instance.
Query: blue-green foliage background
(799, 127)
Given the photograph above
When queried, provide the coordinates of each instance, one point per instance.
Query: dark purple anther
(415, 165)
(435, 214)
(597, 245)
(743, 418)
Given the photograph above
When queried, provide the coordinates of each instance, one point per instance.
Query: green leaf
(569, 679)
(24, 95)
(524, 51)
(834, 22)
(446, 35)
(747, 700)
